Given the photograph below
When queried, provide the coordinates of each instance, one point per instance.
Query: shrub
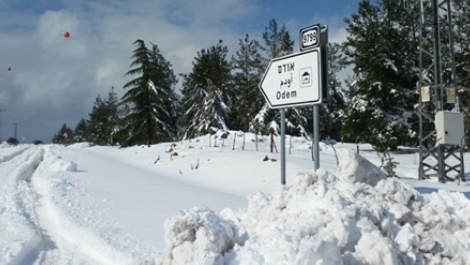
(12, 141)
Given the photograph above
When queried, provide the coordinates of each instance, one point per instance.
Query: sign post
(297, 80)
(283, 146)
(313, 37)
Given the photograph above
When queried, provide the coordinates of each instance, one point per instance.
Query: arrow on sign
(293, 80)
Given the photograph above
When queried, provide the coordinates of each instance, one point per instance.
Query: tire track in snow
(17, 200)
(41, 248)
(60, 240)
(9, 156)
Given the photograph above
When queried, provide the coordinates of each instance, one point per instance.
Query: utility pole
(441, 131)
(15, 124)
(1, 110)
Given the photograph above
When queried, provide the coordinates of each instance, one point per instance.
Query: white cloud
(56, 79)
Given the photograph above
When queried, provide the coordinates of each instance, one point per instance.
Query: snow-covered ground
(192, 203)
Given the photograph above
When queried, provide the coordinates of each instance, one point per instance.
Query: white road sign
(293, 80)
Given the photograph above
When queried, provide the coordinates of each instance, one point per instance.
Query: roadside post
(299, 79)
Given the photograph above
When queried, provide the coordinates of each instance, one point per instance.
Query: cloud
(55, 80)
(208, 12)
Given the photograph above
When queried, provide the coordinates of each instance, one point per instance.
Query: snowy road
(77, 206)
(41, 234)
(18, 203)
(84, 205)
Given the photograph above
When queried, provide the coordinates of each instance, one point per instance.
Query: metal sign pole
(283, 146)
(316, 144)
(297, 80)
(316, 108)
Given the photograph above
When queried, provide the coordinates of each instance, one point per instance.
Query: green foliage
(150, 99)
(381, 47)
(277, 40)
(462, 55)
(103, 120)
(38, 142)
(166, 105)
(64, 136)
(82, 131)
(248, 68)
(13, 141)
(102, 124)
(331, 112)
(207, 92)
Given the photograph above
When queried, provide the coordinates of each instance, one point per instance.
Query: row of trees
(377, 105)
(219, 92)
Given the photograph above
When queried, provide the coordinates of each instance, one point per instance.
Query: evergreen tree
(330, 112)
(277, 40)
(64, 136)
(98, 124)
(114, 110)
(462, 54)
(381, 45)
(167, 102)
(207, 93)
(81, 131)
(462, 38)
(148, 96)
(248, 69)
(103, 121)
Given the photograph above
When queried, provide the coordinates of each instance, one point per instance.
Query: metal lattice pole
(435, 54)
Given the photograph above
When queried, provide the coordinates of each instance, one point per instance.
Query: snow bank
(359, 217)
(197, 236)
(356, 168)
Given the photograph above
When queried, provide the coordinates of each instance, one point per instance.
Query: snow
(355, 168)
(210, 205)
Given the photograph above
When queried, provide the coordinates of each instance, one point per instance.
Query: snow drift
(355, 217)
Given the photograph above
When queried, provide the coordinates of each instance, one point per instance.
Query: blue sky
(56, 80)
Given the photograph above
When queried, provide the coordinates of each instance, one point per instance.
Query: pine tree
(332, 111)
(64, 136)
(81, 131)
(149, 98)
(166, 104)
(462, 54)
(103, 120)
(381, 47)
(277, 40)
(462, 39)
(112, 103)
(207, 93)
(248, 69)
(98, 124)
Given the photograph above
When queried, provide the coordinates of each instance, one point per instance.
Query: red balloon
(66, 34)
